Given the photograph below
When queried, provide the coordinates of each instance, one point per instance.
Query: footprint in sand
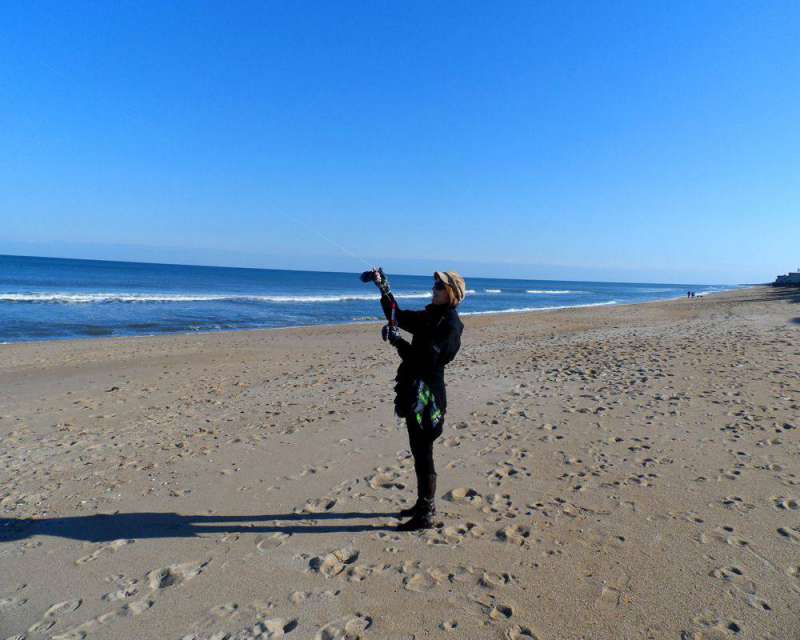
(134, 608)
(792, 534)
(298, 597)
(352, 628)
(517, 632)
(12, 602)
(723, 534)
(744, 585)
(265, 544)
(500, 612)
(223, 611)
(386, 478)
(174, 574)
(419, 582)
(506, 471)
(464, 494)
(456, 533)
(497, 502)
(452, 441)
(333, 563)
(736, 576)
(272, 628)
(62, 607)
(319, 505)
(737, 504)
(111, 547)
(690, 516)
(785, 504)
(709, 627)
(426, 580)
(127, 588)
(514, 534)
(80, 632)
(491, 580)
(51, 615)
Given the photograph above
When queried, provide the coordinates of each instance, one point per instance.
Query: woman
(420, 389)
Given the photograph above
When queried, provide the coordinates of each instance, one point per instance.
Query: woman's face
(440, 293)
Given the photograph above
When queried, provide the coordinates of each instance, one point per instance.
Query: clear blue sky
(649, 141)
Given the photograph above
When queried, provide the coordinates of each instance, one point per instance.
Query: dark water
(52, 298)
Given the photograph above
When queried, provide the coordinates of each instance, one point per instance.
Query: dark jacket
(436, 339)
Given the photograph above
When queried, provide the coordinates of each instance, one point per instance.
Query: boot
(424, 510)
(414, 508)
(426, 487)
(422, 518)
(407, 513)
(410, 511)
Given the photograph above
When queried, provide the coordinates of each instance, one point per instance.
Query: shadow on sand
(107, 527)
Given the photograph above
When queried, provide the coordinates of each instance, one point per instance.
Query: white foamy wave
(411, 295)
(656, 290)
(131, 298)
(492, 290)
(550, 291)
(526, 309)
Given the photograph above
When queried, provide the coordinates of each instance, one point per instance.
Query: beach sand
(614, 472)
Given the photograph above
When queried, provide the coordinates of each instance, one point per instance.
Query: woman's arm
(406, 320)
(440, 349)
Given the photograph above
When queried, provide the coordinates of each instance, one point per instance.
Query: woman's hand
(390, 333)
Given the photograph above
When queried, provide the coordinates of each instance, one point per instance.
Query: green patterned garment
(426, 402)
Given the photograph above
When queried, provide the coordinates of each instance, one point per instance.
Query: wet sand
(613, 472)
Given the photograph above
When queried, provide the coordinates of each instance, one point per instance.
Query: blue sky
(640, 141)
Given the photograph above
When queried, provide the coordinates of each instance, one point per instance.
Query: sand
(617, 472)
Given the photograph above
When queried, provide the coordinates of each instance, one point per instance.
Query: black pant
(421, 441)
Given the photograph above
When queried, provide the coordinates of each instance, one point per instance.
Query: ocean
(55, 298)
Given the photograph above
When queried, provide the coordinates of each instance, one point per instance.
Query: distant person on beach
(420, 390)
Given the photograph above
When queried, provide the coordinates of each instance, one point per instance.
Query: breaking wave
(549, 291)
(525, 309)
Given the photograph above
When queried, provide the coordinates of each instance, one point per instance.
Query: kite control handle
(391, 331)
(377, 276)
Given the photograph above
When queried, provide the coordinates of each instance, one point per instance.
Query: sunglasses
(439, 285)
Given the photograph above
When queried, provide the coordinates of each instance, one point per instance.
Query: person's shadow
(102, 527)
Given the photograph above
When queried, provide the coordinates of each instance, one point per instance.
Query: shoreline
(509, 312)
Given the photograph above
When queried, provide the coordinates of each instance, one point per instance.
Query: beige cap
(454, 280)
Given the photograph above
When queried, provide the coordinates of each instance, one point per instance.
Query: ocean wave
(132, 298)
(493, 290)
(665, 289)
(709, 292)
(549, 291)
(526, 309)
